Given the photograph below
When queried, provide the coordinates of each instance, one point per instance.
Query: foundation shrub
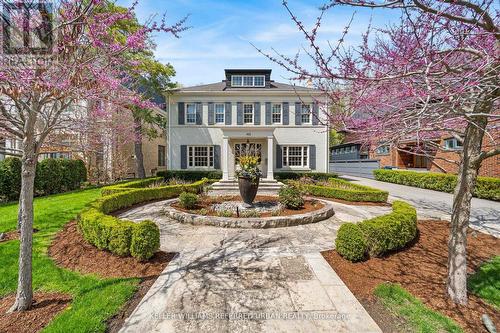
(189, 175)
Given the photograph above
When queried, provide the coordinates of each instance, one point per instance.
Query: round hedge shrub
(145, 240)
(291, 197)
(188, 200)
(350, 242)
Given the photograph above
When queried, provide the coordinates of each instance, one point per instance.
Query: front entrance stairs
(266, 187)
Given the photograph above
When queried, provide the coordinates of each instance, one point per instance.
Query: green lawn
(94, 299)
(418, 316)
(485, 283)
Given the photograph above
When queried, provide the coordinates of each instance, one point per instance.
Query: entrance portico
(237, 140)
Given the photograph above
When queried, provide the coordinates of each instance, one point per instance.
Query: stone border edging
(254, 222)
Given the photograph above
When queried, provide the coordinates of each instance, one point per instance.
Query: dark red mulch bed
(421, 269)
(45, 307)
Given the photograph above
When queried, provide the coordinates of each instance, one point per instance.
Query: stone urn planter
(248, 189)
(248, 178)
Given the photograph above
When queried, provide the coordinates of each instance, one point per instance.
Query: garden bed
(251, 221)
(264, 205)
(421, 269)
(12, 235)
(70, 250)
(45, 307)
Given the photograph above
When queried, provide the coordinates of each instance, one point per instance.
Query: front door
(249, 148)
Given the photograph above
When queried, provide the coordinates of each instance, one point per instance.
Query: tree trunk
(139, 157)
(24, 296)
(457, 244)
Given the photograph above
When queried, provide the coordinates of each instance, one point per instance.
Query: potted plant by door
(248, 178)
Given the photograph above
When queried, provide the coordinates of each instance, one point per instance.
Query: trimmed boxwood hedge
(189, 175)
(344, 190)
(140, 240)
(194, 175)
(291, 175)
(379, 235)
(486, 187)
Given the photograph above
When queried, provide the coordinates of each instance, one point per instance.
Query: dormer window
(248, 81)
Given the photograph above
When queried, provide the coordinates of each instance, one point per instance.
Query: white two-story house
(210, 125)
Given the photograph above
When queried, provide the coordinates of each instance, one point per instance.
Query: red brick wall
(489, 168)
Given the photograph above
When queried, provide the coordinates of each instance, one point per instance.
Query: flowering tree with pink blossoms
(77, 58)
(435, 72)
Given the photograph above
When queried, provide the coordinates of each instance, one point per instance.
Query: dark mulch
(45, 307)
(71, 251)
(11, 235)
(206, 202)
(421, 269)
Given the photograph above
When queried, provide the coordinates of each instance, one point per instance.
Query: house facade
(210, 125)
(404, 157)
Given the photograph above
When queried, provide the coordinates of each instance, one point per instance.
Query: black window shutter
(279, 157)
(181, 113)
(256, 113)
(199, 113)
(286, 113)
(184, 157)
(211, 113)
(217, 157)
(315, 114)
(229, 112)
(298, 113)
(239, 113)
(268, 113)
(312, 157)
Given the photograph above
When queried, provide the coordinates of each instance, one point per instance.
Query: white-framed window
(236, 80)
(247, 113)
(276, 114)
(383, 150)
(452, 144)
(219, 113)
(248, 80)
(191, 113)
(200, 156)
(296, 156)
(259, 81)
(306, 113)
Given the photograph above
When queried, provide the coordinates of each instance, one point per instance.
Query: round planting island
(266, 212)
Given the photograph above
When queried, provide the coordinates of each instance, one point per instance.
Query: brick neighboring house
(403, 158)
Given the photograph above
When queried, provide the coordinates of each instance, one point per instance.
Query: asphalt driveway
(485, 214)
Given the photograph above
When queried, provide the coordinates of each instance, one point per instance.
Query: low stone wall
(255, 222)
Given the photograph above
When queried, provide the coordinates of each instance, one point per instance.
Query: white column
(270, 157)
(225, 158)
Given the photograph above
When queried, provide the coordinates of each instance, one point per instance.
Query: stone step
(265, 185)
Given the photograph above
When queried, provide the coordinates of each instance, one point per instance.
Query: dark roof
(221, 86)
(243, 71)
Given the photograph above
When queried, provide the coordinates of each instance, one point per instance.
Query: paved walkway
(485, 214)
(248, 274)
